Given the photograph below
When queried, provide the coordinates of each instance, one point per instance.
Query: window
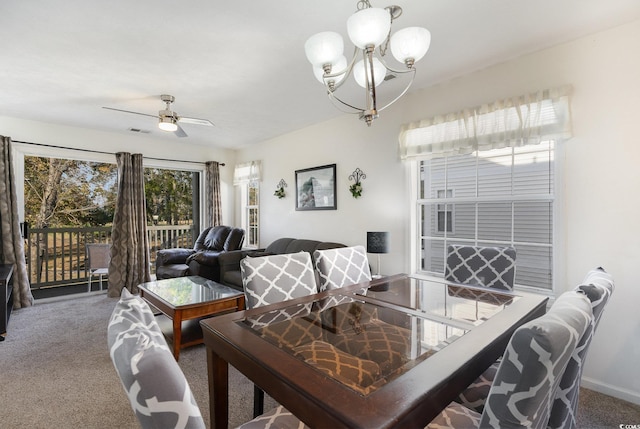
(252, 214)
(503, 197)
(445, 216)
(247, 176)
(68, 200)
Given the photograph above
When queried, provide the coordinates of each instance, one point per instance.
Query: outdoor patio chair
(98, 257)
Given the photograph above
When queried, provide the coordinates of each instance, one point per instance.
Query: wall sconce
(377, 242)
(280, 189)
(356, 188)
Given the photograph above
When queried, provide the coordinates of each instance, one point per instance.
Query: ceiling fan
(168, 119)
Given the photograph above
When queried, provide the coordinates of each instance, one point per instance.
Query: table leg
(177, 334)
(218, 370)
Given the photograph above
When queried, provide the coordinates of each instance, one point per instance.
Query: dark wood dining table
(418, 341)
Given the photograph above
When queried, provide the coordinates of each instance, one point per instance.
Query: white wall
(81, 138)
(601, 178)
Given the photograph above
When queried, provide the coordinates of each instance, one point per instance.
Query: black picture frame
(316, 188)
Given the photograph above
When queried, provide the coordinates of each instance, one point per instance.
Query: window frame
(558, 230)
(20, 150)
(245, 213)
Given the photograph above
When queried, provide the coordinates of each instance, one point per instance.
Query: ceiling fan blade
(180, 132)
(195, 121)
(129, 111)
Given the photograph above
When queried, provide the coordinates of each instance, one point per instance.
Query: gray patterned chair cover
(493, 267)
(341, 267)
(275, 278)
(530, 371)
(598, 285)
(277, 418)
(156, 386)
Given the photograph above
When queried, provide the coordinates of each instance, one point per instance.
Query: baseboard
(616, 392)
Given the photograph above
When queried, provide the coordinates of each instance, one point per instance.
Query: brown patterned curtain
(212, 194)
(130, 260)
(12, 249)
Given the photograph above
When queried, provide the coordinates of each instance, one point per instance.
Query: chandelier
(368, 28)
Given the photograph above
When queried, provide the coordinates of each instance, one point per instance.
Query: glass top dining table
(392, 352)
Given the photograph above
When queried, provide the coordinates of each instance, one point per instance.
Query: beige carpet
(55, 372)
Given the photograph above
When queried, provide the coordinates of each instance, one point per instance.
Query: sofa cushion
(172, 271)
(300, 245)
(157, 389)
(173, 256)
(234, 239)
(279, 246)
(216, 237)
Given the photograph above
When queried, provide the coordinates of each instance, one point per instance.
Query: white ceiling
(241, 63)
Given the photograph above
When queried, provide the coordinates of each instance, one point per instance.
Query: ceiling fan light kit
(168, 119)
(368, 28)
(167, 124)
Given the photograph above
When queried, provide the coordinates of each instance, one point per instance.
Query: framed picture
(316, 188)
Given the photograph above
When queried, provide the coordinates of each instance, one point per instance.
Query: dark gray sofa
(202, 260)
(230, 261)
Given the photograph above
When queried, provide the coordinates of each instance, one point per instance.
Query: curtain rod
(108, 153)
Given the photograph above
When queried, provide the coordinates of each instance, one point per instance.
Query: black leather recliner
(202, 260)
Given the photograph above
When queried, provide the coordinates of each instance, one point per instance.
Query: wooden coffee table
(186, 301)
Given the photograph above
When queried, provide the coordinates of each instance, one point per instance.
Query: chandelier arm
(371, 84)
(347, 72)
(403, 91)
(391, 69)
(334, 98)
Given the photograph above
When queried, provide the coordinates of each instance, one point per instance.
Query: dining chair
(275, 278)
(598, 286)
(530, 371)
(157, 388)
(341, 267)
(493, 267)
(98, 257)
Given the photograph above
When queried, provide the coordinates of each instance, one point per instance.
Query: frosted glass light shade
(410, 43)
(339, 66)
(379, 72)
(166, 124)
(324, 48)
(369, 27)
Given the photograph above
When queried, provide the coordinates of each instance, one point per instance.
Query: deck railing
(57, 256)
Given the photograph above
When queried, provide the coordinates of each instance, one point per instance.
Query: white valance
(247, 172)
(517, 121)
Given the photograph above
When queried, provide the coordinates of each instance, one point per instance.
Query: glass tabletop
(366, 338)
(454, 303)
(362, 345)
(188, 290)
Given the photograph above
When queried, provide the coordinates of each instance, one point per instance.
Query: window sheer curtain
(130, 260)
(12, 248)
(512, 122)
(247, 172)
(212, 194)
